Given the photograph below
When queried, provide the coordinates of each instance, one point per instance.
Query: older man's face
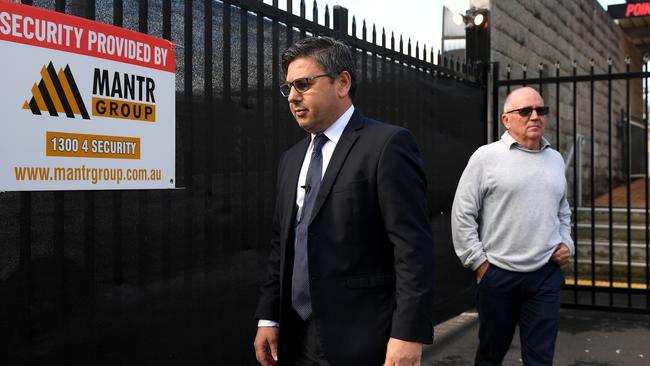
(527, 130)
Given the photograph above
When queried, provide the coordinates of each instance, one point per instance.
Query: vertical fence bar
(243, 56)
(209, 137)
(118, 13)
(303, 14)
(188, 120)
(290, 26)
(393, 78)
(495, 101)
(557, 107)
(59, 6)
(143, 199)
(399, 76)
(364, 61)
(340, 21)
(575, 180)
(59, 246)
(117, 238)
(384, 76)
(59, 258)
(209, 122)
(259, 138)
(275, 82)
(373, 83)
(628, 181)
(412, 77)
(508, 74)
(143, 16)
(90, 9)
(167, 195)
(89, 215)
(243, 129)
(89, 242)
(610, 184)
(646, 185)
(167, 19)
(327, 16)
(540, 68)
(143, 245)
(408, 47)
(25, 260)
(286, 136)
(226, 101)
(116, 245)
(592, 183)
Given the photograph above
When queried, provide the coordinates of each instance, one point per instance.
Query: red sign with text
(43, 28)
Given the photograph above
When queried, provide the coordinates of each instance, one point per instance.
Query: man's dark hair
(333, 56)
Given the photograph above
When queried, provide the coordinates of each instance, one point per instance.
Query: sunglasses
(301, 85)
(527, 111)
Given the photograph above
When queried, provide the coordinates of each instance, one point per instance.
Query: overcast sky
(420, 20)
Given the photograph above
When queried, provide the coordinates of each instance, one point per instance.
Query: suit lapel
(294, 163)
(347, 140)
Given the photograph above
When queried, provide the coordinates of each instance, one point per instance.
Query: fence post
(340, 21)
(495, 101)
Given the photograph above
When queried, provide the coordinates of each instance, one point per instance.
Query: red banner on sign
(44, 28)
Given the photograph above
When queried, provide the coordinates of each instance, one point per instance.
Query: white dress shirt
(333, 134)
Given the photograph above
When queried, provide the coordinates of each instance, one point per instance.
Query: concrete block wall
(544, 33)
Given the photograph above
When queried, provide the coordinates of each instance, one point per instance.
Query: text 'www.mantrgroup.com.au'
(85, 174)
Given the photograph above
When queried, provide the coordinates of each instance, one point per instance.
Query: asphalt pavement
(585, 338)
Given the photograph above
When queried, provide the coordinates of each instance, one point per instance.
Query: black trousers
(532, 301)
(305, 347)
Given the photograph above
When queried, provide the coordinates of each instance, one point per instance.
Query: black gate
(171, 277)
(599, 123)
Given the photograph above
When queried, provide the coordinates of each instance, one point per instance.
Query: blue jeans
(530, 299)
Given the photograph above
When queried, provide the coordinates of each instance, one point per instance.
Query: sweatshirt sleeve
(564, 215)
(465, 214)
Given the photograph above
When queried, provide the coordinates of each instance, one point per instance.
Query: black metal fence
(599, 123)
(171, 277)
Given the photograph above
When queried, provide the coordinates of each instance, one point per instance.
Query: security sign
(83, 105)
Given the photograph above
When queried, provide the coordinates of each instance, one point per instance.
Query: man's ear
(343, 84)
(505, 119)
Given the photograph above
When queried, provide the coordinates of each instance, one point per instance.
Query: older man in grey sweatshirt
(511, 223)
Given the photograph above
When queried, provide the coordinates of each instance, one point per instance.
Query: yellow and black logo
(57, 94)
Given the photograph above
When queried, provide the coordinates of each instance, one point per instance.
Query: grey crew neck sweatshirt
(510, 207)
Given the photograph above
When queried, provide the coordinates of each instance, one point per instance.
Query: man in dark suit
(351, 265)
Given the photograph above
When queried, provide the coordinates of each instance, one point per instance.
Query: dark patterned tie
(300, 295)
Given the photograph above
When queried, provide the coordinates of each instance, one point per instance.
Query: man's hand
(480, 271)
(403, 353)
(561, 255)
(266, 346)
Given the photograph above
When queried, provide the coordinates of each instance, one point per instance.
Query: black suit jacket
(370, 245)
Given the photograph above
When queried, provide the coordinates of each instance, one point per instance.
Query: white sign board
(83, 105)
